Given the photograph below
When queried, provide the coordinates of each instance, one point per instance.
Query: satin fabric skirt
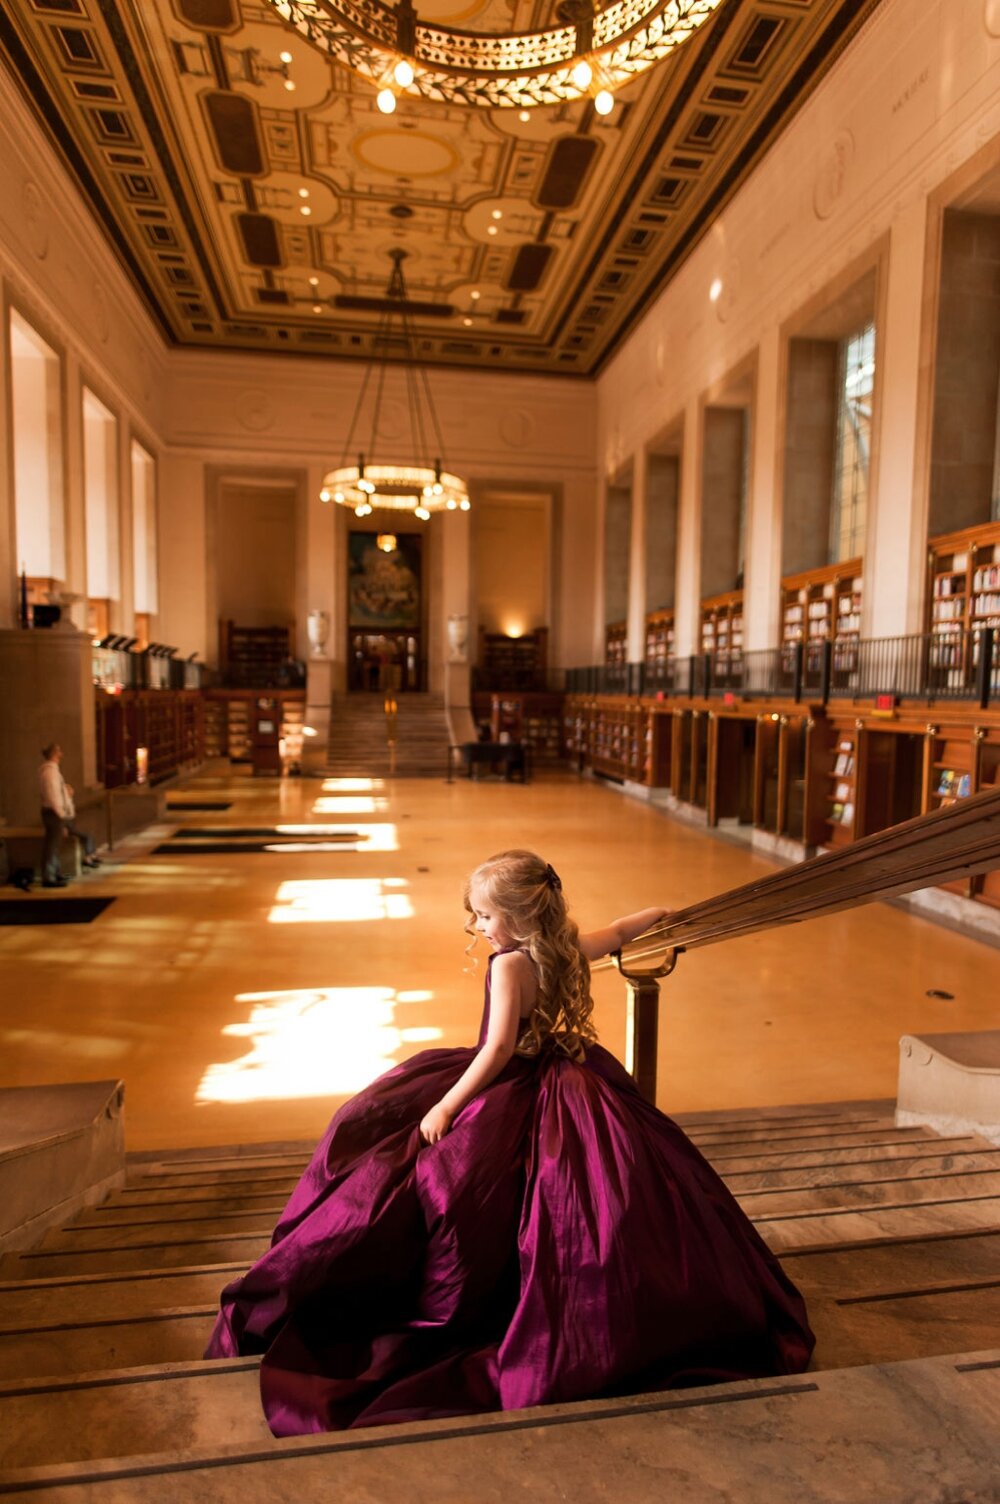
(563, 1241)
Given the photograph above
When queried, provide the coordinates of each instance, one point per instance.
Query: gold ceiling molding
(235, 172)
(598, 51)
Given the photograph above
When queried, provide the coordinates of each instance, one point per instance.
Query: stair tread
(136, 1292)
(887, 1191)
(895, 1265)
(807, 1229)
(837, 1434)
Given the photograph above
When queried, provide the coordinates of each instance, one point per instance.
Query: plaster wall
(914, 97)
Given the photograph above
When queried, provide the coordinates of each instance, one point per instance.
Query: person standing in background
(58, 815)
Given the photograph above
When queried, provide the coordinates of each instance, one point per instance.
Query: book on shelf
(847, 815)
(843, 791)
(963, 786)
(837, 812)
(946, 782)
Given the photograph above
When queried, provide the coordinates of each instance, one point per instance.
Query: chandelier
(411, 487)
(593, 52)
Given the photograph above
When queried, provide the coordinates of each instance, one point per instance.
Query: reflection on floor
(242, 1001)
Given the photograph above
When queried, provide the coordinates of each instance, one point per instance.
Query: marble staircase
(893, 1234)
(358, 745)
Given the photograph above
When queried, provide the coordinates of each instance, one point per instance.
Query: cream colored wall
(510, 535)
(915, 96)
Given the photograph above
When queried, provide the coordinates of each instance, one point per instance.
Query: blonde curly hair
(526, 894)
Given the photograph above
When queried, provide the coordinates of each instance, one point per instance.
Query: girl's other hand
(436, 1124)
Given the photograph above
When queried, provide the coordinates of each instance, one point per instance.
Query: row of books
(954, 784)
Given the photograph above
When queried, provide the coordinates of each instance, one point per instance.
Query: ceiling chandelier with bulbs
(594, 52)
(419, 486)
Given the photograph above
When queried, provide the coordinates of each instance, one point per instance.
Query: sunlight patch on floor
(355, 804)
(340, 899)
(351, 785)
(314, 1042)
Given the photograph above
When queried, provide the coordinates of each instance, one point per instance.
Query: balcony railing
(931, 666)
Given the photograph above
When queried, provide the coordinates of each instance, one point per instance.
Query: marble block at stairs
(951, 1083)
(61, 1148)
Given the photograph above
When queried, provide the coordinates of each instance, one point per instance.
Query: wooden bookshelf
(228, 723)
(170, 724)
(963, 596)
(513, 663)
(616, 645)
(842, 794)
(659, 642)
(624, 739)
(252, 657)
(722, 629)
(820, 606)
(534, 718)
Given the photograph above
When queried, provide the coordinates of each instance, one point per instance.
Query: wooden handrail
(956, 841)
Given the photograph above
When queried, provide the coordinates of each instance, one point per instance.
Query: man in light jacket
(58, 815)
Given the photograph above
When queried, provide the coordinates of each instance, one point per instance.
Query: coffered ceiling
(255, 201)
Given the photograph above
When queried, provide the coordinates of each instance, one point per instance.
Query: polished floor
(243, 996)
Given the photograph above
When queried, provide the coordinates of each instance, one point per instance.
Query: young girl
(511, 1225)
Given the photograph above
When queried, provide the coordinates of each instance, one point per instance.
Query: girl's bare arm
(619, 932)
(510, 983)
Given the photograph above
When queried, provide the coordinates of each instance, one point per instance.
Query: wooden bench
(24, 849)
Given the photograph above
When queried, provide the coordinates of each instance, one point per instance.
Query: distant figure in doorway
(58, 815)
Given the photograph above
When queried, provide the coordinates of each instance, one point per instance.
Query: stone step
(780, 1150)
(809, 1229)
(863, 1171)
(127, 1412)
(90, 1345)
(923, 1430)
(733, 1139)
(146, 1254)
(895, 1266)
(25, 1304)
(893, 1329)
(158, 1171)
(809, 1159)
(166, 1230)
(184, 1193)
(871, 1194)
(179, 1208)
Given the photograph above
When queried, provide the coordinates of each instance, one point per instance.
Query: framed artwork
(383, 589)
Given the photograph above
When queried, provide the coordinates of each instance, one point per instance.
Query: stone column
(75, 501)
(687, 635)
(762, 582)
(183, 554)
(48, 696)
(896, 534)
(322, 589)
(8, 552)
(456, 543)
(636, 614)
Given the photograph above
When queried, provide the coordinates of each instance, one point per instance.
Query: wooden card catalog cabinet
(265, 735)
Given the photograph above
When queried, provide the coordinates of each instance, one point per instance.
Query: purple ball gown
(564, 1240)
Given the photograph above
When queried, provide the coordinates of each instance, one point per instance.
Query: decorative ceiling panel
(255, 200)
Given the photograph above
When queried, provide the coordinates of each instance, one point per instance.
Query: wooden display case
(963, 596)
(820, 606)
(168, 723)
(619, 738)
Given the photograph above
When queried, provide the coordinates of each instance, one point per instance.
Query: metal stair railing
(957, 841)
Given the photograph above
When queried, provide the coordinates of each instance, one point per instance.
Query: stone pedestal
(319, 689)
(951, 1083)
(48, 696)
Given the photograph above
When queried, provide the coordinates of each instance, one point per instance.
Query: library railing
(950, 844)
(959, 665)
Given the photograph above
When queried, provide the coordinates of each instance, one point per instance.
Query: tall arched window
(101, 492)
(144, 562)
(39, 492)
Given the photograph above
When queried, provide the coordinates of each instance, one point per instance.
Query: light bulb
(386, 101)
(451, 503)
(290, 85)
(715, 291)
(422, 513)
(303, 193)
(305, 210)
(313, 281)
(437, 488)
(463, 506)
(497, 214)
(475, 293)
(427, 490)
(582, 74)
(524, 116)
(286, 57)
(403, 73)
(604, 101)
(338, 496)
(324, 495)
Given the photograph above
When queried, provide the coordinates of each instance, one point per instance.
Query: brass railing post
(642, 1024)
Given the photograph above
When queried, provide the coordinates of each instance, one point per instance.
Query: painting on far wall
(384, 588)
